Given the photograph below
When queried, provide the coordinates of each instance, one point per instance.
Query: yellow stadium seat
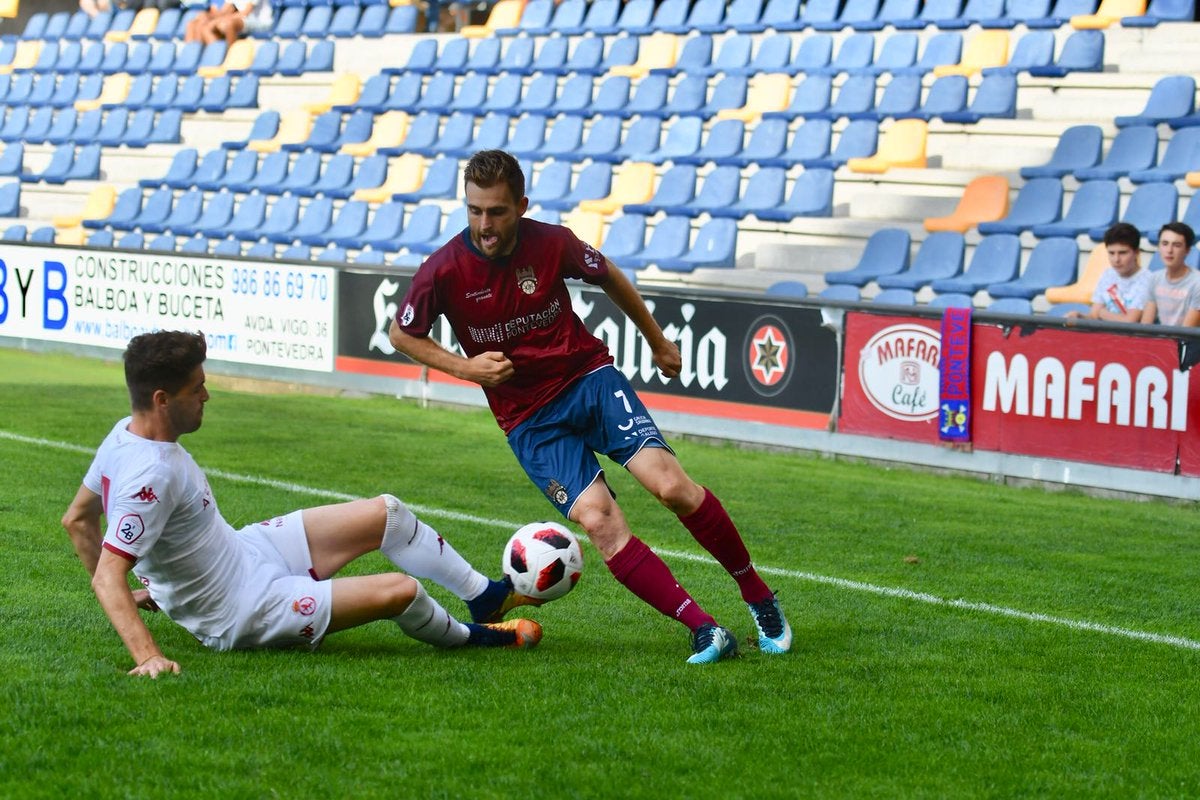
(25, 57)
(770, 91)
(143, 25)
(633, 183)
(984, 199)
(1193, 178)
(344, 92)
(1110, 11)
(112, 93)
(389, 130)
(70, 236)
(505, 14)
(405, 174)
(294, 128)
(988, 49)
(238, 59)
(1081, 290)
(9, 8)
(588, 226)
(658, 51)
(99, 205)
(903, 145)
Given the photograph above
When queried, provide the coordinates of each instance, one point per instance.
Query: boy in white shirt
(1175, 290)
(1124, 288)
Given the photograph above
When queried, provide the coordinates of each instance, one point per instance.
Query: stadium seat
(246, 222)
(901, 98)
(675, 188)
(840, 292)
(227, 247)
(440, 183)
(1150, 207)
(565, 137)
(1011, 305)
(600, 14)
(1181, 156)
(1083, 51)
(946, 95)
(216, 214)
(1053, 262)
(1034, 50)
(1094, 205)
(996, 259)
(765, 93)
(985, 199)
(633, 182)
(24, 58)
(154, 208)
(626, 236)
(952, 300)
(504, 16)
(424, 225)
(987, 48)
(1132, 149)
(294, 128)
(13, 160)
(941, 255)
(1110, 12)
(668, 239)
(891, 13)
(855, 55)
(659, 51)
(1162, 11)
(385, 225)
(903, 146)
(787, 289)
(722, 143)
(719, 190)
(895, 297)
(995, 98)
(696, 55)
(811, 196)
(1172, 96)
(197, 245)
(1079, 147)
(116, 89)
(186, 210)
(767, 142)
(98, 206)
(941, 49)
(715, 246)
(886, 253)
(210, 171)
(858, 139)
(1081, 290)
(402, 19)
(898, 53)
(238, 58)
(593, 182)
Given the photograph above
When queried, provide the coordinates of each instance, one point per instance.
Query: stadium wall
(1083, 404)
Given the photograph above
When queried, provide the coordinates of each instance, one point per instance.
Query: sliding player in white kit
(267, 585)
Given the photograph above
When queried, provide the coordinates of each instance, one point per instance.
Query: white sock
(426, 621)
(418, 550)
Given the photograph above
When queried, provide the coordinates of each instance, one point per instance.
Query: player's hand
(143, 600)
(489, 369)
(155, 666)
(1072, 315)
(667, 358)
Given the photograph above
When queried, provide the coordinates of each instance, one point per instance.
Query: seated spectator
(1175, 290)
(1124, 288)
(94, 7)
(229, 21)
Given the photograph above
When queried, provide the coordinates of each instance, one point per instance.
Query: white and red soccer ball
(543, 560)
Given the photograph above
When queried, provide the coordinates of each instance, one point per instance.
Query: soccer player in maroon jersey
(557, 396)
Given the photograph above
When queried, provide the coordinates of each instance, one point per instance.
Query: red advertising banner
(1079, 395)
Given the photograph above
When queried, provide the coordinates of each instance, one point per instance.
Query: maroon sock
(646, 575)
(717, 534)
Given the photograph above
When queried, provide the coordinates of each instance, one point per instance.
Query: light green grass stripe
(842, 583)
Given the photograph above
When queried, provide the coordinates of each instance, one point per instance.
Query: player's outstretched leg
(427, 621)
(711, 643)
(774, 632)
(497, 600)
(520, 634)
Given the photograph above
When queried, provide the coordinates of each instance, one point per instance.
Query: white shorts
(282, 604)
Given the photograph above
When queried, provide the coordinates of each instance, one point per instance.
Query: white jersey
(162, 516)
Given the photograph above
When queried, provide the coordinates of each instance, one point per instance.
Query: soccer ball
(543, 560)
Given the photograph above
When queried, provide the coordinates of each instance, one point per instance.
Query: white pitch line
(842, 583)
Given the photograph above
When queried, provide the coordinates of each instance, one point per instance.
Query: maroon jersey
(518, 305)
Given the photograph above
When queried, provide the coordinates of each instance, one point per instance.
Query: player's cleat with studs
(519, 634)
(498, 599)
(711, 643)
(774, 632)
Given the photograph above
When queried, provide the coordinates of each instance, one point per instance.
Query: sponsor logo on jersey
(526, 280)
(591, 258)
(305, 606)
(407, 317)
(130, 528)
(479, 295)
(557, 492)
(768, 354)
(145, 494)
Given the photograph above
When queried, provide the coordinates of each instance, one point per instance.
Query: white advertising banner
(279, 315)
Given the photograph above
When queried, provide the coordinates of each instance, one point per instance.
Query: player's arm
(487, 369)
(1132, 315)
(627, 298)
(1192, 318)
(82, 521)
(1149, 313)
(111, 584)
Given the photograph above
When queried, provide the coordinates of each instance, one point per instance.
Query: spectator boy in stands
(1175, 290)
(1124, 288)
(227, 22)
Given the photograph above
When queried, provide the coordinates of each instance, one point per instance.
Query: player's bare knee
(678, 492)
(400, 592)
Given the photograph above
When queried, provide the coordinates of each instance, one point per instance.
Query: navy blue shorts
(599, 413)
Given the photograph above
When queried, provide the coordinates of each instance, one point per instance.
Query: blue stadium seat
(941, 255)
(424, 225)
(163, 60)
(813, 11)
(946, 95)
(402, 19)
(855, 54)
(593, 182)
(112, 131)
(534, 21)
(1162, 11)
(682, 140)
(77, 26)
(15, 124)
(774, 53)
(266, 250)
(675, 188)
(715, 246)
(723, 141)
(892, 12)
(550, 185)
(626, 236)
(43, 235)
(40, 123)
(719, 190)
(227, 247)
(886, 253)
(764, 193)
(811, 196)
(1011, 305)
(1079, 147)
(316, 22)
(344, 22)
(13, 160)
(668, 239)
(370, 173)
(1083, 51)
(767, 141)
(940, 49)
(441, 182)
(246, 174)
(601, 14)
(85, 168)
(787, 289)
(1033, 50)
(568, 16)
(316, 222)
(855, 97)
(853, 13)
(185, 212)
(540, 98)
(774, 14)
(55, 171)
(197, 245)
(565, 137)
(1093, 205)
(705, 16)
(730, 92)
(1132, 149)
(841, 292)
(603, 141)
(302, 174)
(895, 297)
(452, 223)
(551, 58)
(995, 98)
(156, 207)
(696, 55)
(687, 97)
(133, 240)
(373, 257)
(810, 99)
(952, 300)
(527, 137)
(1016, 12)
(974, 12)
(280, 219)
(1172, 97)
(1053, 262)
(997, 259)
(649, 97)
(898, 52)
(1151, 206)
(1039, 202)
(385, 225)
(814, 53)
(1181, 157)
(217, 213)
(335, 176)
(265, 126)
(901, 97)
(210, 171)
(102, 238)
(670, 16)
(621, 51)
(859, 139)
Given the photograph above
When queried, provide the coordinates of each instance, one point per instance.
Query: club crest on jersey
(306, 606)
(557, 492)
(526, 280)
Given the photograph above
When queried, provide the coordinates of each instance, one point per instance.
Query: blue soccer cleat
(518, 634)
(497, 600)
(711, 643)
(774, 632)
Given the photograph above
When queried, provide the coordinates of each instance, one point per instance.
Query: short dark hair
(490, 167)
(1183, 229)
(1123, 233)
(161, 360)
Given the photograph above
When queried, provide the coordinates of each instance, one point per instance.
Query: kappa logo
(307, 632)
(305, 606)
(145, 494)
(526, 280)
(768, 354)
(130, 528)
